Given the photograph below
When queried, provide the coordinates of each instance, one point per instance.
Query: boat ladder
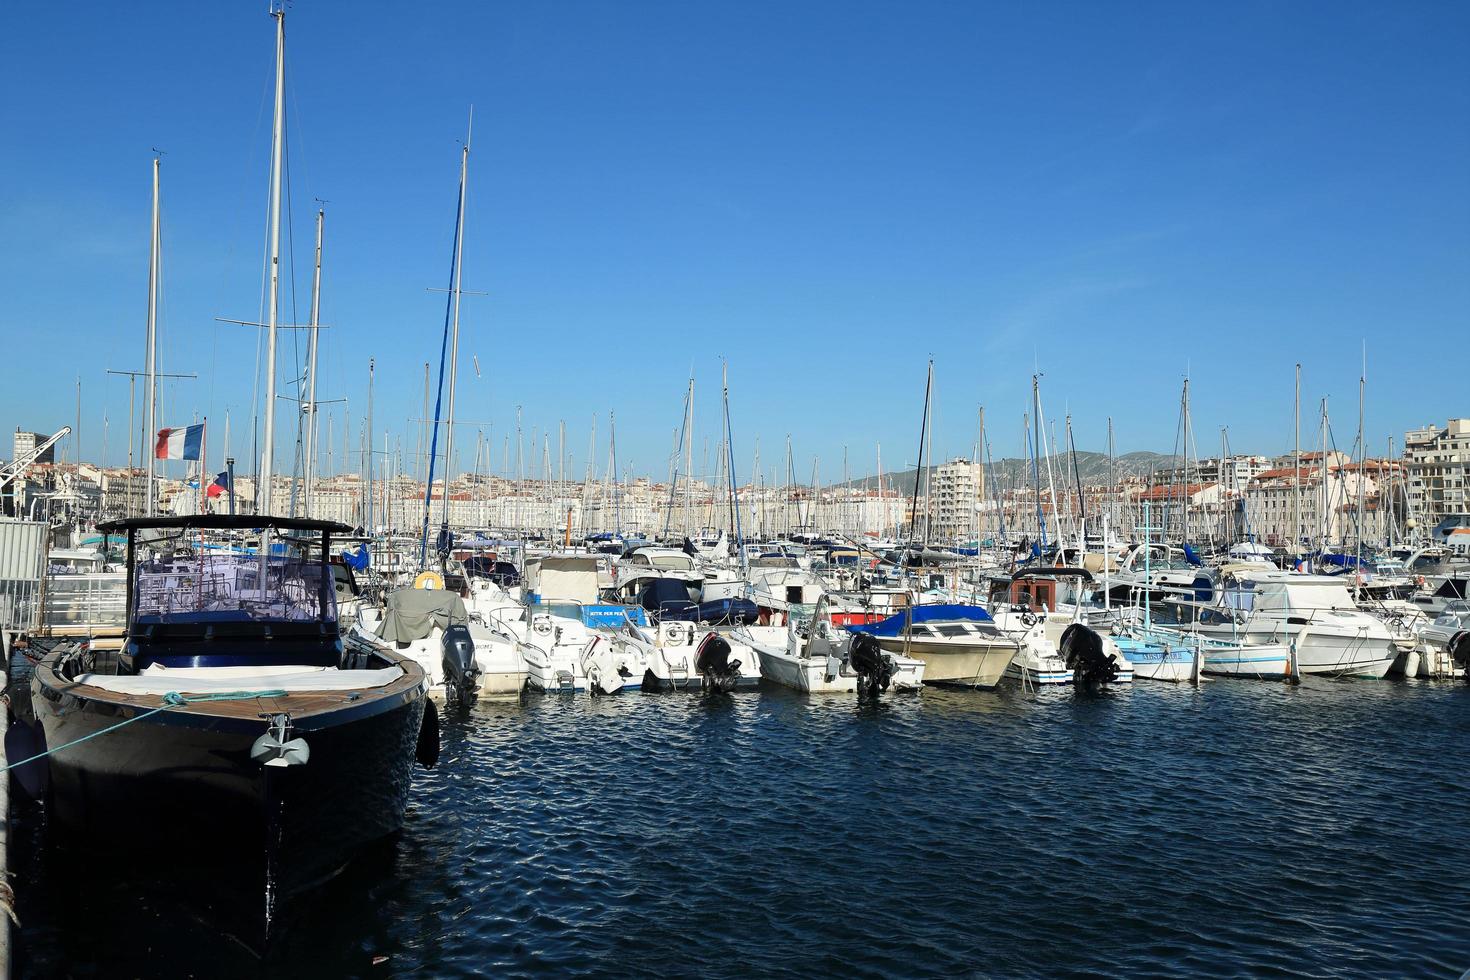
(678, 672)
(566, 682)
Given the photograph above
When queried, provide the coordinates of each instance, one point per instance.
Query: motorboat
(1444, 644)
(1039, 605)
(814, 655)
(694, 656)
(570, 639)
(1314, 613)
(461, 657)
(959, 644)
(231, 722)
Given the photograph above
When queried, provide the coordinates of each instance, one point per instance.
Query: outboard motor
(1459, 651)
(715, 667)
(461, 674)
(1082, 649)
(868, 661)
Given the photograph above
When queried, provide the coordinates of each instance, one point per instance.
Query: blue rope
(172, 699)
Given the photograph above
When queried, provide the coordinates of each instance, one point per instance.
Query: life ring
(428, 580)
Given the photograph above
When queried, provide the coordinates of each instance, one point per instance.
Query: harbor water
(1245, 828)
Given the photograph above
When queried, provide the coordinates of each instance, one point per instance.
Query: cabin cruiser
(1440, 591)
(959, 644)
(1314, 612)
(813, 655)
(231, 721)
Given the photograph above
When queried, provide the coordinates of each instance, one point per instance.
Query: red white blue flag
(184, 443)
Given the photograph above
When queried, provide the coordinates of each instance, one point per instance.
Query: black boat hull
(179, 790)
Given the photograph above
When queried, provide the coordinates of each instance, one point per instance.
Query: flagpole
(203, 460)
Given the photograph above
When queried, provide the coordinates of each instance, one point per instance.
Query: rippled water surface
(1246, 828)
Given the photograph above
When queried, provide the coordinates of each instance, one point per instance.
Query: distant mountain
(1092, 467)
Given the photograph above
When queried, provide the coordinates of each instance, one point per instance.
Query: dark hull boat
(231, 736)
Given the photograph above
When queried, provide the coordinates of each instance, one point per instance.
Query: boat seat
(291, 678)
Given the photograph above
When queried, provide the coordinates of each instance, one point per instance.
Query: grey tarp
(412, 614)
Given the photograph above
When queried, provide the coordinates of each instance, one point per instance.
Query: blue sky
(824, 193)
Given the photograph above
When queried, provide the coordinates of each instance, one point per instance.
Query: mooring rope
(171, 700)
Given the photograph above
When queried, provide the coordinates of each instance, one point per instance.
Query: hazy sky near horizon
(825, 194)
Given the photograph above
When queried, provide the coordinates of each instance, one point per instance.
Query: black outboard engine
(873, 669)
(461, 675)
(715, 667)
(1459, 650)
(1082, 649)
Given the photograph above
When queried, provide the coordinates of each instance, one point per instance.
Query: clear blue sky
(824, 193)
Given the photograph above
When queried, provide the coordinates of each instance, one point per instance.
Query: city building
(1438, 465)
(26, 442)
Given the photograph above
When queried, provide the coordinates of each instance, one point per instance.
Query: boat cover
(412, 614)
(219, 680)
(938, 612)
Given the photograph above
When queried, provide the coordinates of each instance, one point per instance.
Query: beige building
(1319, 503)
(955, 491)
(1438, 464)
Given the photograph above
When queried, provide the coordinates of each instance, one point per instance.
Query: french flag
(182, 443)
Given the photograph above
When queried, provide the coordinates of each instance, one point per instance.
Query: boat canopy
(939, 612)
(225, 522)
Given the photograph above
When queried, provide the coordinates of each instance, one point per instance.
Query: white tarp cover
(219, 680)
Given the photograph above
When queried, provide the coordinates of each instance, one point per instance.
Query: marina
(355, 664)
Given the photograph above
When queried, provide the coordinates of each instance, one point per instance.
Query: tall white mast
(316, 307)
(1296, 467)
(278, 146)
(151, 365)
(464, 173)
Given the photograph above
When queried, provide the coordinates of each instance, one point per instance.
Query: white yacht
(1332, 636)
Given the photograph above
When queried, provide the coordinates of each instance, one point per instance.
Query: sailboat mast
(1362, 459)
(1184, 411)
(1296, 466)
(368, 463)
(278, 147)
(316, 307)
(464, 174)
(151, 364)
(919, 472)
(1036, 453)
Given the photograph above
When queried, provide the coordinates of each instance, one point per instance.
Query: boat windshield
(229, 586)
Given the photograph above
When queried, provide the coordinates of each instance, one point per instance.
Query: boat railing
(84, 603)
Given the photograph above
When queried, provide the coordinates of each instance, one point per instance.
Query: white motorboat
(426, 625)
(817, 657)
(689, 656)
(1315, 613)
(1440, 641)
